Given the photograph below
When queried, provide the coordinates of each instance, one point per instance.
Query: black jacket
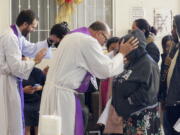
(173, 95)
(137, 87)
(173, 92)
(163, 79)
(36, 77)
(153, 51)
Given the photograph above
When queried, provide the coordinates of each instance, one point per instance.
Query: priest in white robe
(78, 57)
(12, 69)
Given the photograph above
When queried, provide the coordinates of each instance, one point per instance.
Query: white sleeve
(13, 55)
(30, 49)
(100, 64)
(4, 69)
(110, 54)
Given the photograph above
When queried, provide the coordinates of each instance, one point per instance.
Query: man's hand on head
(126, 47)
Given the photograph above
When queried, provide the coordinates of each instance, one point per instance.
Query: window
(85, 14)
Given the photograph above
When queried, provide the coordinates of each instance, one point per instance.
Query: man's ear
(25, 24)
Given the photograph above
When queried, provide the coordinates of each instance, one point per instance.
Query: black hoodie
(137, 87)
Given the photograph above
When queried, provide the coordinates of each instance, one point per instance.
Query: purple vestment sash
(79, 126)
(21, 92)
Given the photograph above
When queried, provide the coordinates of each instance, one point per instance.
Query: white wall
(4, 14)
(122, 13)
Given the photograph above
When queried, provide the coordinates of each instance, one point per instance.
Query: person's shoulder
(146, 65)
(146, 61)
(8, 33)
(8, 36)
(151, 45)
(37, 70)
(150, 62)
(81, 36)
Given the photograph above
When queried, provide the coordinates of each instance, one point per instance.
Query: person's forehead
(114, 44)
(134, 23)
(35, 22)
(169, 42)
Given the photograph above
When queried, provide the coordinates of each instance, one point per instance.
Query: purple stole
(19, 80)
(79, 126)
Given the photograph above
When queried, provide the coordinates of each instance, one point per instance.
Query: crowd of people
(131, 87)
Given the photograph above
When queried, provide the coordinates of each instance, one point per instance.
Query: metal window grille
(46, 10)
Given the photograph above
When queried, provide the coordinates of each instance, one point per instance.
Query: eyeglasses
(105, 37)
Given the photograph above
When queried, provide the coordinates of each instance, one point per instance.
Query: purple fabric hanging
(13, 27)
(86, 80)
(79, 126)
(81, 30)
(21, 92)
(85, 83)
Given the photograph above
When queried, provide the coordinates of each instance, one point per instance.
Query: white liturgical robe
(76, 55)
(11, 66)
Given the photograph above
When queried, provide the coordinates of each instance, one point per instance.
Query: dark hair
(27, 16)
(141, 45)
(176, 27)
(142, 24)
(60, 30)
(112, 40)
(136, 34)
(98, 26)
(165, 40)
